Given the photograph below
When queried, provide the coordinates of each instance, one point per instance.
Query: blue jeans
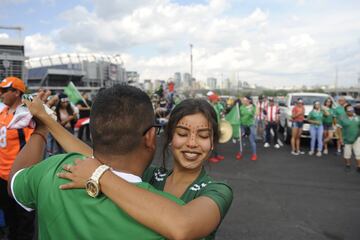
(316, 133)
(252, 136)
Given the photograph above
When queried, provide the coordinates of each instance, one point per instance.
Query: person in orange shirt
(19, 221)
(298, 117)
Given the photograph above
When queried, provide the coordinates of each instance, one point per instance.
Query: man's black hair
(118, 118)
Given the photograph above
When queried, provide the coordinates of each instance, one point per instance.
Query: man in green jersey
(122, 141)
(351, 137)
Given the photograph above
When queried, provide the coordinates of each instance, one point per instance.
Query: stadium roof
(72, 58)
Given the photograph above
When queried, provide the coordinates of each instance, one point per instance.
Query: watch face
(92, 188)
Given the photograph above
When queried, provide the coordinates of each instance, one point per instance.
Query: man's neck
(14, 106)
(128, 163)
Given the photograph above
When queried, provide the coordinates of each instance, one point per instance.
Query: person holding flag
(233, 117)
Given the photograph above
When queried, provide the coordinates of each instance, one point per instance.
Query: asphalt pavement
(281, 196)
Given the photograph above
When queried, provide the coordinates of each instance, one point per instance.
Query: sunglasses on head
(156, 126)
(4, 90)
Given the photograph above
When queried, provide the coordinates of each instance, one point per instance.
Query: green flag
(233, 117)
(72, 92)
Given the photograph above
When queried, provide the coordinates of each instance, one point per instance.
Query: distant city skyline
(268, 43)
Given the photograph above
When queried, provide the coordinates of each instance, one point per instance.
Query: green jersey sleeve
(221, 194)
(24, 185)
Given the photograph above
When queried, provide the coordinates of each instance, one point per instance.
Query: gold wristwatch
(92, 185)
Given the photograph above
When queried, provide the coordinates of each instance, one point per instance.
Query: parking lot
(282, 196)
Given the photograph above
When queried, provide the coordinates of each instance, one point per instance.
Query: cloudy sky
(266, 42)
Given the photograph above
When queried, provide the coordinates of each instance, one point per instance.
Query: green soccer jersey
(316, 116)
(328, 120)
(204, 185)
(339, 113)
(247, 115)
(351, 129)
(72, 214)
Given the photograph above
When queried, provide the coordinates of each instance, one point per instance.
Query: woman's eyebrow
(204, 129)
(199, 129)
(183, 127)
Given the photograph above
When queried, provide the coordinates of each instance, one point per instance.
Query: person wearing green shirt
(328, 122)
(315, 119)
(339, 113)
(73, 214)
(219, 109)
(351, 136)
(191, 134)
(247, 122)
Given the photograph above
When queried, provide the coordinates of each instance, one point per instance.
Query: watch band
(99, 172)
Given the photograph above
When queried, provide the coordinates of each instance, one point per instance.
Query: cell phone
(28, 97)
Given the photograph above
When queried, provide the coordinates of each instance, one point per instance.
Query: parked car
(287, 105)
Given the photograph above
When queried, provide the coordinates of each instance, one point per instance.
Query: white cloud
(261, 47)
(39, 45)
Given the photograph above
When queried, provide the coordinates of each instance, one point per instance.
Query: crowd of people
(261, 121)
(111, 158)
(125, 196)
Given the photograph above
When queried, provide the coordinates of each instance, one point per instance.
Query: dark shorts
(297, 124)
(328, 127)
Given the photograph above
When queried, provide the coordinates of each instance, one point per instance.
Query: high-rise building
(177, 79)
(148, 85)
(132, 76)
(211, 83)
(226, 84)
(187, 80)
(12, 58)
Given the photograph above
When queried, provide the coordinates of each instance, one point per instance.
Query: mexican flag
(73, 94)
(233, 117)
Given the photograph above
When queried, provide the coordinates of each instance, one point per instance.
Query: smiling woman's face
(192, 141)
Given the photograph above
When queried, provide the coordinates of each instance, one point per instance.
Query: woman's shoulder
(154, 173)
(218, 191)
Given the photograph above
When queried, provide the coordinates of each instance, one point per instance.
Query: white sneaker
(301, 152)
(311, 153)
(266, 145)
(277, 146)
(318, 154)
(294, 153)
(234, 140)
(326, 151)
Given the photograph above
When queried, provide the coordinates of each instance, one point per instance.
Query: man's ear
(150, 139)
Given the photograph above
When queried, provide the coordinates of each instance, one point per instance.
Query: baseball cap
(13, 82)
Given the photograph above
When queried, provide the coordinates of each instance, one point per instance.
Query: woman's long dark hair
(69, 110)
(331, 102)
(185, 108)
